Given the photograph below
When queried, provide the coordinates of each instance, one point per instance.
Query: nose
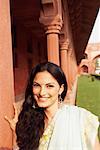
(42, 91)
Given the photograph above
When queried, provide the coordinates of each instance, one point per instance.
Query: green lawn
(88, 94)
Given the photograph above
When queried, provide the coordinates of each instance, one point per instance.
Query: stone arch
(96, 61)
(95, 58)
(84, 69)
(98, 56)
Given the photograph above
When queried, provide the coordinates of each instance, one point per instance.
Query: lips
(42, 98)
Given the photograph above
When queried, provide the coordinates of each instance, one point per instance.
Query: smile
(42, 98)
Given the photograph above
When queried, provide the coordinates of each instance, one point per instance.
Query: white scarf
(72, 128)
(67, 130)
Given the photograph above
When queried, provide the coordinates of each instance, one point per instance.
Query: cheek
(35, 91)
(35, 97)
(35, 94)
(55, 92)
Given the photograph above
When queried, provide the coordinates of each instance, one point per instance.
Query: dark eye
(50, 86)
(36, 85)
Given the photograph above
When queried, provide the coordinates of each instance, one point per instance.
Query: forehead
(44, 77)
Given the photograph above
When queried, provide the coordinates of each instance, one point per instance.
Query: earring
(60, 101)
(33, 106)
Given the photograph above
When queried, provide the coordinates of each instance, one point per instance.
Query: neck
(50, 113)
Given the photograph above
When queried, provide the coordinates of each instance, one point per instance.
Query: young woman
(45, 123)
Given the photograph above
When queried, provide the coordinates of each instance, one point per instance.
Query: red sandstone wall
(21, 72)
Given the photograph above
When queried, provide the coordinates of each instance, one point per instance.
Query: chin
(42, 105)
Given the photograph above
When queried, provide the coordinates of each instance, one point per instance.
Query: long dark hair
(30, 125)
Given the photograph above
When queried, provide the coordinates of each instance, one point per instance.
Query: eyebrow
(46, 83)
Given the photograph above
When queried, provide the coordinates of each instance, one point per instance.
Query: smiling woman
(43, 124)
(46, 87)
(46, 90)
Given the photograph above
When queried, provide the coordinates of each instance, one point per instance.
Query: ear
(61, 89)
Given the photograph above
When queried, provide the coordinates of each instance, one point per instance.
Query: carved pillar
(53, 43)
(6, 75)
(64, 56)
(72, 65)
(51, 18)
(52, 31)
(69, 68)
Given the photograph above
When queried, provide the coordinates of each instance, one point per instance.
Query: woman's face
(46, 90)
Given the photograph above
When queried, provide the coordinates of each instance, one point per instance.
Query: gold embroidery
(45, 139)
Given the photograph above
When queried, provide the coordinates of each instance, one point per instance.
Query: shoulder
(89, 116)
(81, 110)
(85, 115)
(90, 126)
(88, 122)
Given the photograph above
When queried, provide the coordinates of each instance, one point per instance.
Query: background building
(91, 63)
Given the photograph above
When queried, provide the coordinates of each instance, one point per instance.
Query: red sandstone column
(69, 69)
(51, 18)
(64, 57)
(52, 32)
(65, 65)
(6, 75)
